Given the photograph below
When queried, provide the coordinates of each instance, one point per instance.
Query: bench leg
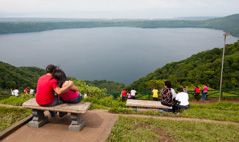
(39, 119)
(135, 108)
(77, 122)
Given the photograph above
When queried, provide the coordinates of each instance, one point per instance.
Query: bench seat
(147, 104)
(39, 119)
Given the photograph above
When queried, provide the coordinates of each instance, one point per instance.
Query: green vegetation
(132, 129)
(203, 67)
(18, 77)
(228, 24)
(17, 101)
(111, 86)
(104, 103)
(9, 116)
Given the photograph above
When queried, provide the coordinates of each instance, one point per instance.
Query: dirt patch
(163, 136)
(158, 131)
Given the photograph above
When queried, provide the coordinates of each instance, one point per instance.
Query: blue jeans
(56, 101)
(155, 99)
(204, 96)
(184, 107)
(75, 101)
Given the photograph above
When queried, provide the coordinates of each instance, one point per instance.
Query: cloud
(121, 8)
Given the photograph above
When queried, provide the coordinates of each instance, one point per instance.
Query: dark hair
(180, 89)
(168, 84)
(51, 68)
(60, 76)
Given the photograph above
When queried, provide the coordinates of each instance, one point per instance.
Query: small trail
(180, 119)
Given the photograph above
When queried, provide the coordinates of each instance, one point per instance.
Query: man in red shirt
(47, 87)
(197, 92)
(26, 90)
(123, 93)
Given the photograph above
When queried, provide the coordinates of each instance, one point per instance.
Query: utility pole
(220, 93)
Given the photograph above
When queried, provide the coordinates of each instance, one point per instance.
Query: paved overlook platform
(98, 125)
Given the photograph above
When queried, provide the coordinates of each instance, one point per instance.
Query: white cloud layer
(118, 8)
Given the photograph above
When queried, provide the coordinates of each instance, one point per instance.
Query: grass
(132, 129)
(9, 116)
(17, 101)
(104, 103)
(223, 111)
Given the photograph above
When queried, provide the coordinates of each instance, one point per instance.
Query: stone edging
(14, 127)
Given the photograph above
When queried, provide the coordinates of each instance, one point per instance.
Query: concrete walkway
(97, 129)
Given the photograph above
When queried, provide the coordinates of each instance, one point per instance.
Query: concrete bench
(39, 119)
(146, 104)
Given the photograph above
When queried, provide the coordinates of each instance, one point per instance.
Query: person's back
(72, 95)
(167, 97)
(205, 88)
(16, 93)
(45, 90)
(133, 92)
(32, 92)
(182, 97)
(155, 94)
(197, 90)
(123, 93)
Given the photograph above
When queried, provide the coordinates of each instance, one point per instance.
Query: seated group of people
(52, 89)
(170, 98)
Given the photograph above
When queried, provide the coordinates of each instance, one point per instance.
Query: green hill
(109, 85)
(204, 67)
(227, 24)
(18, 77)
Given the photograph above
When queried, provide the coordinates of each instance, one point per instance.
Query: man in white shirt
(133, 92)
(32, 92)
(183, 98)
(16, 92)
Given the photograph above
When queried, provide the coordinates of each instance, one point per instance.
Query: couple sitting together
(170, 98)
(54, 82)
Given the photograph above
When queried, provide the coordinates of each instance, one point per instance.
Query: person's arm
(64, 89)
(73, 87)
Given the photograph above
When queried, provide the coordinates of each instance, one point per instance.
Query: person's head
(167, 84)
(51, 68)
(205, 84)
(60, 76)
(180, 89)
(184, 87)
(124, 89)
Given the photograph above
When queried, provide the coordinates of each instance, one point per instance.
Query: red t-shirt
(197, 90)
(45, 90)
(123, 93)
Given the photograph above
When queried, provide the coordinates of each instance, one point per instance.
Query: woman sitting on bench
(72, 96)
(168, 96)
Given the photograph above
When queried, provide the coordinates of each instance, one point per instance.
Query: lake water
(121, 54)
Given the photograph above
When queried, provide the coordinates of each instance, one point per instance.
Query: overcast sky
(149, 9)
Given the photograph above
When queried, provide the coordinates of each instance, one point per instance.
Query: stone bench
(146, 104)
(39, 119)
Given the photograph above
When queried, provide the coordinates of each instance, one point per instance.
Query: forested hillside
(204, 67)
(228, 24)
(109, 85)
(18, 77)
